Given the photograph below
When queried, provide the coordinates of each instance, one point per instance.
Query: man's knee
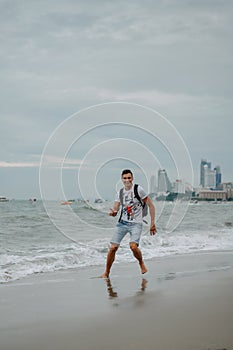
(133, 246)
(113, 248)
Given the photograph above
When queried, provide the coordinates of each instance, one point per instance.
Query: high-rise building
(153, 184)
(179, 186)
(164, 184)
(218, 176)
(202, 173)
(210, 178)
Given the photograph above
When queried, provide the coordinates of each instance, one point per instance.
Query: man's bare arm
(151, 206)
(114, 211)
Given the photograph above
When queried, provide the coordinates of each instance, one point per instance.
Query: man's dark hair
(126, 171)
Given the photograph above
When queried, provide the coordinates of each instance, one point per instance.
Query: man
(130, 221)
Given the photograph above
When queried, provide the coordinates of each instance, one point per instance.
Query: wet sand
(182, 303)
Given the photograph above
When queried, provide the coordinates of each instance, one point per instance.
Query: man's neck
(128, 187)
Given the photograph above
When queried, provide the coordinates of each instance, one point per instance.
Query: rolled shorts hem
(124, 227)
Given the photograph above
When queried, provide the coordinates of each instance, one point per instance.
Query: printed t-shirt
(132, 209)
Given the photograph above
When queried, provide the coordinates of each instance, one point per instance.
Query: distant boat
(4, 199)
(215, 201)
(67, 202)
(192, 202)
(99, 200)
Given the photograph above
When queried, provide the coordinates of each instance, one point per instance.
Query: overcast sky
(59, 57)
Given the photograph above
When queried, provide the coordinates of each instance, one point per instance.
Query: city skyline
(209, 179)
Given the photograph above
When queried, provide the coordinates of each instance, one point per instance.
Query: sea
(38, 237)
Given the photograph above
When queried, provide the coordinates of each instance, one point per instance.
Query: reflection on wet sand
(114, 294)
(111, 292)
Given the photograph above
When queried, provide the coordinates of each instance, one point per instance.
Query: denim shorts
(124, 227)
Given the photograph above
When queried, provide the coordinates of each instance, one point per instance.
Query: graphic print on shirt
(130, 207)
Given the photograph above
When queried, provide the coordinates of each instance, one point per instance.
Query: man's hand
(153, 229)
(112, 212)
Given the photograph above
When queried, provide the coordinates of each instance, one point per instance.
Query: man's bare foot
(143, 268)
(104, 275)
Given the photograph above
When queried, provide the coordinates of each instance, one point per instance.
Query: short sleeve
(141, 192)
(117, 197)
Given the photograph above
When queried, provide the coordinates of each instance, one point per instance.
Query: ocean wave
(16, 264)
(31, 244)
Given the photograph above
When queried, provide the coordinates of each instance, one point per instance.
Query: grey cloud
(57, 57)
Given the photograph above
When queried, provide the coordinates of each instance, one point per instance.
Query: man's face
(127, 180)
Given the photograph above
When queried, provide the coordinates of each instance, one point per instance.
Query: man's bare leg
(110, 260)
(138, 255)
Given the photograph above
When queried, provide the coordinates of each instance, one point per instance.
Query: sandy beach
(182, 303)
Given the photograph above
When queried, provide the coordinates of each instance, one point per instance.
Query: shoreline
(182, 303)
(116, 263)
